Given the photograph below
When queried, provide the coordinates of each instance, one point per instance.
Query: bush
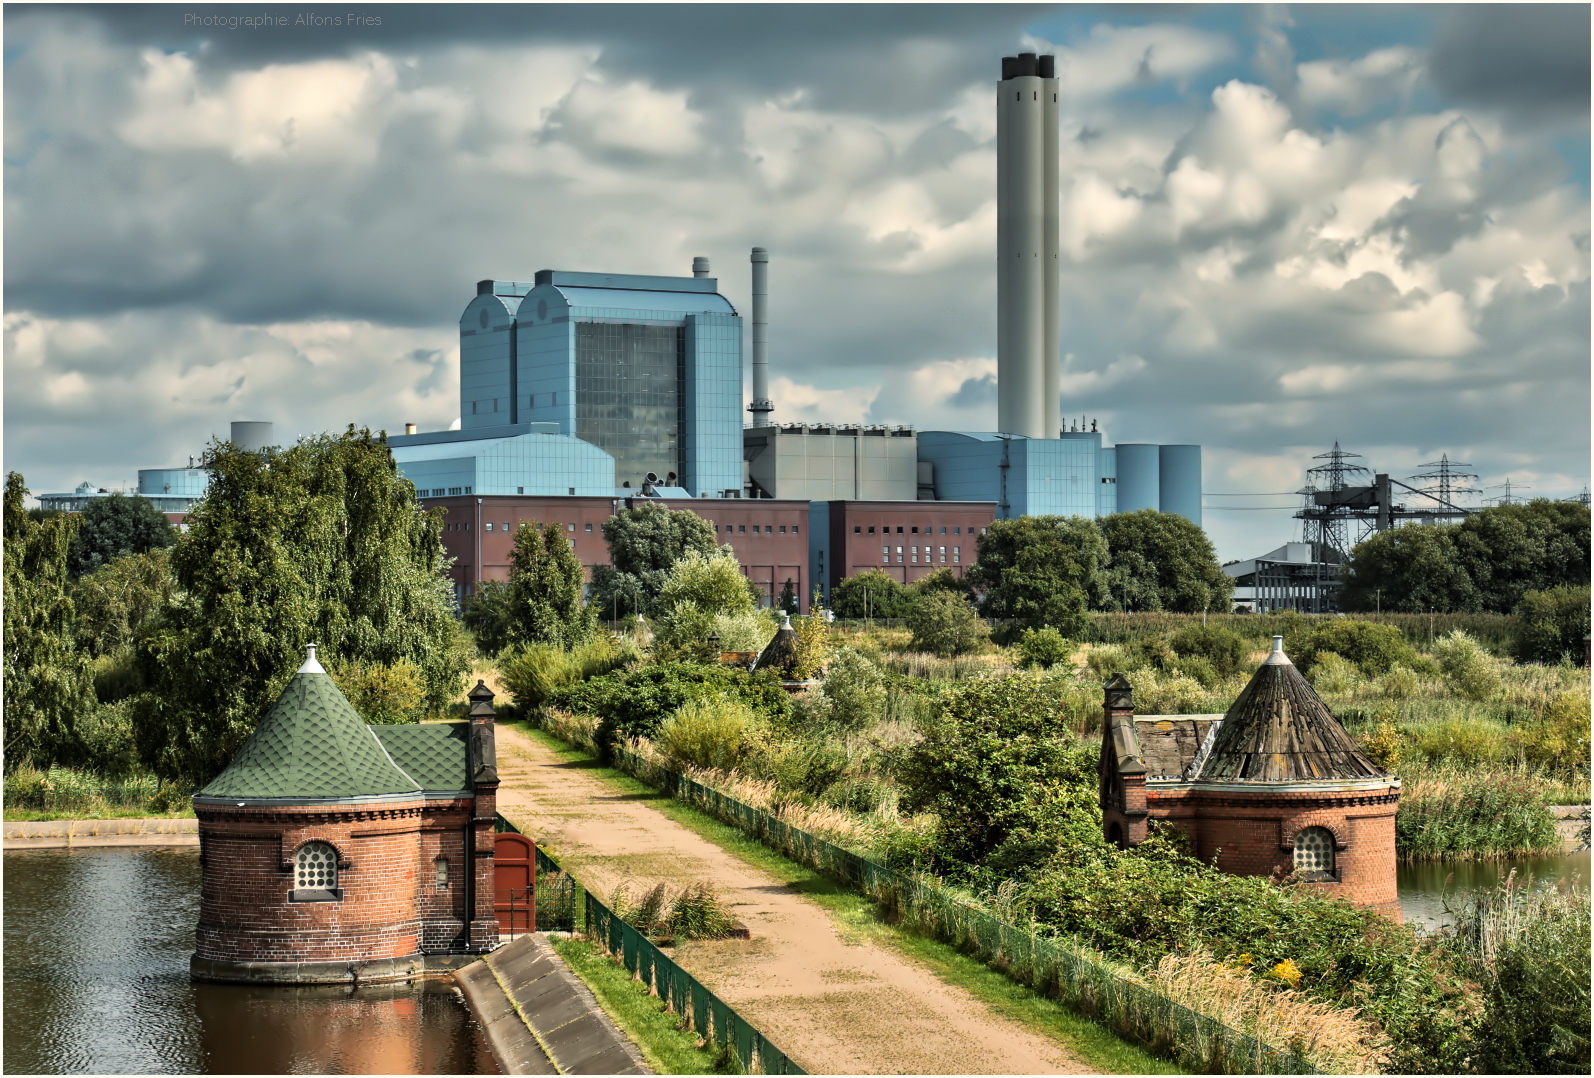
(1558, 739)
(1044, 648)
(1373, 647)
(1552, 623)
(711, 731)
(1384, 747)
(532, 674)
(873, 594)
(1333, 674)
(1465, 740)
(383, 694)
(634, 702)
(1399, 684)
(1471, 669)
(854, 690)
(944, 623)
(1223, 648)
(1171, 693)
(1452, 814)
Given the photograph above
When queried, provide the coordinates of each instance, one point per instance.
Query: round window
(1314, 850)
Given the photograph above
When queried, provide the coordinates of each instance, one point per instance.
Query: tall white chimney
(761, 406)
(1028, 330)
(700, 266)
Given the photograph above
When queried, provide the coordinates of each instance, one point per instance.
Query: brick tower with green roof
(335, 851)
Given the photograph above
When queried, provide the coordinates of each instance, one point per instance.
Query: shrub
(711, 731)
(1044, 647)
(633, 703)
(1558, 739)
(1105, 660)
(874, 594)
(533, 673)
(1471, 669)
(813, 638)
(1399, 684)
(749, 630)
(1529, 948)
(1465, 740)
(383, 694)
(854, 689)
(1372, 646)
(1332, 674)
(1170, 693)
(943, 623)
(1384, 747)
(1551, 623)
(1223, 648)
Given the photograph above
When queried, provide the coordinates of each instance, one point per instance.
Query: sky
(1282, 227)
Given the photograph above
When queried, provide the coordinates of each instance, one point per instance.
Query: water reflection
(96, 981)
(1425, 885)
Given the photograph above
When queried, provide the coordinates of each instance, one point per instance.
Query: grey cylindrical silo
(1179, 481)
(1052, 345)
(1139, 482)
(761, 406)
(251, 436)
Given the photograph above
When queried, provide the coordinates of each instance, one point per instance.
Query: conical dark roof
(311, 745)
(1279, 730)
(780, 654)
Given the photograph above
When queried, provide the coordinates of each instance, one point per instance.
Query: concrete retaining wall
(540, 1018)
(59, 834)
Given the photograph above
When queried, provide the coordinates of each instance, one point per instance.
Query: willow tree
(321, 543)
(49, 684)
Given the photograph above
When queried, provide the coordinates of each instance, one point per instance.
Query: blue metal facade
(174, 482)
(514, 463)
(1139, 483)
(690, 425)
(1179, 481)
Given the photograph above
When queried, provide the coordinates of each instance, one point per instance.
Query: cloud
(1531, 60)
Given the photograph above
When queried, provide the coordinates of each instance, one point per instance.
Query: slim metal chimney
(1028, 333)
(700, 266)
(761, 406)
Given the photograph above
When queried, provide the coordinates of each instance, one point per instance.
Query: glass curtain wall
(630, 396)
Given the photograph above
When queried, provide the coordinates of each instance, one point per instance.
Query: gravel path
(837, 1006)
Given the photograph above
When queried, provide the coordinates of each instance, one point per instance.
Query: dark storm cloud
(1531, 59)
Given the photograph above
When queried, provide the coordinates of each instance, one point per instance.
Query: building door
(514, 884)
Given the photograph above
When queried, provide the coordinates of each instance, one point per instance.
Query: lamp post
(714, 645)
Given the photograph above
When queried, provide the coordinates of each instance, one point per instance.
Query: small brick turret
(1274, 787)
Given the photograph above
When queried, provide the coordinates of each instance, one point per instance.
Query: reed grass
(1464, 814)
(61, 792)
(1335, 1040)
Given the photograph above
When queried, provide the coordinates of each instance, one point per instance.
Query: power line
(1252, 494)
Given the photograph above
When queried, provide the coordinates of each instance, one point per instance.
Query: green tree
(543, 601)
(116, 601)
(1552, 623)
(700, 594)
(1408, 570)
(871, 593)
(1171, 557)
(49, 683)
(944, 623)
(115, 526)
(1041, 571)
(320, 543)
(645, 542)
(787, 603)
(942, 579)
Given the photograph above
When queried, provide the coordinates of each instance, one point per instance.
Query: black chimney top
(1028, 64)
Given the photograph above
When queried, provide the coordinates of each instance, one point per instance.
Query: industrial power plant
(582, 389)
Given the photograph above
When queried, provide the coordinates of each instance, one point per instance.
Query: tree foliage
(320, 543)
(114, 527)
(871, 593)
(645, 542)
(1166, 559)
(116, 601)
(49, 683)
(543, 600)
(701, 594)
(1486, 563)
(1041, 571)
(943, 623)
(1552, 623)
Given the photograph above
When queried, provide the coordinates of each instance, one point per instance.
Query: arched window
(315, 868)
(1314, 853)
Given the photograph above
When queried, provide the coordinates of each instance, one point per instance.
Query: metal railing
(1055, 967)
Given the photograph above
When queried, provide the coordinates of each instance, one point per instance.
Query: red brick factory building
(1272, 787)
(333, 851)
(775, 539)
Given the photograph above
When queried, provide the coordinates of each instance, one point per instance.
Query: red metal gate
(514, 883)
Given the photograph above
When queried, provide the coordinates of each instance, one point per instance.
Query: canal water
(96, 982)
(1426, 887)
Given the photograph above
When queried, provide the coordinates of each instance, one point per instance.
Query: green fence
(1056, 968)
(701, 1010)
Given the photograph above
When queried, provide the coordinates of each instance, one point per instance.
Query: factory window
(915, 529)
(505, 525)
(955, 553)
(755, 529)
(589, 525)
(572, 492)
(857, 529)
(520, 490)
(943, 555)
(984, 530)
(742, 529)
(871, 529)
(943, 529)
(899, 529)
(572, 544)
(783, 529)
(472, 407)
(489, 525)
(794, 529)
(886, 551)
(630, 398)
(957, 531)
(570, 527)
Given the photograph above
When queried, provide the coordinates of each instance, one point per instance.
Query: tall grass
(1454, 812)
(1528, 948)
(1335, 1040)
(66, 792)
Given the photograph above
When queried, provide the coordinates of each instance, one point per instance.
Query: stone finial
(311, 664)
(1276, 657)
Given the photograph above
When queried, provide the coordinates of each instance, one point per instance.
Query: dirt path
(837, 1007)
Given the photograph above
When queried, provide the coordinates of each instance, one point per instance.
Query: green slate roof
(434, 754)
(311, 744)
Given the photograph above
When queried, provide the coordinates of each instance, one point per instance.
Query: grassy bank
(859, 919)
(66, 794)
